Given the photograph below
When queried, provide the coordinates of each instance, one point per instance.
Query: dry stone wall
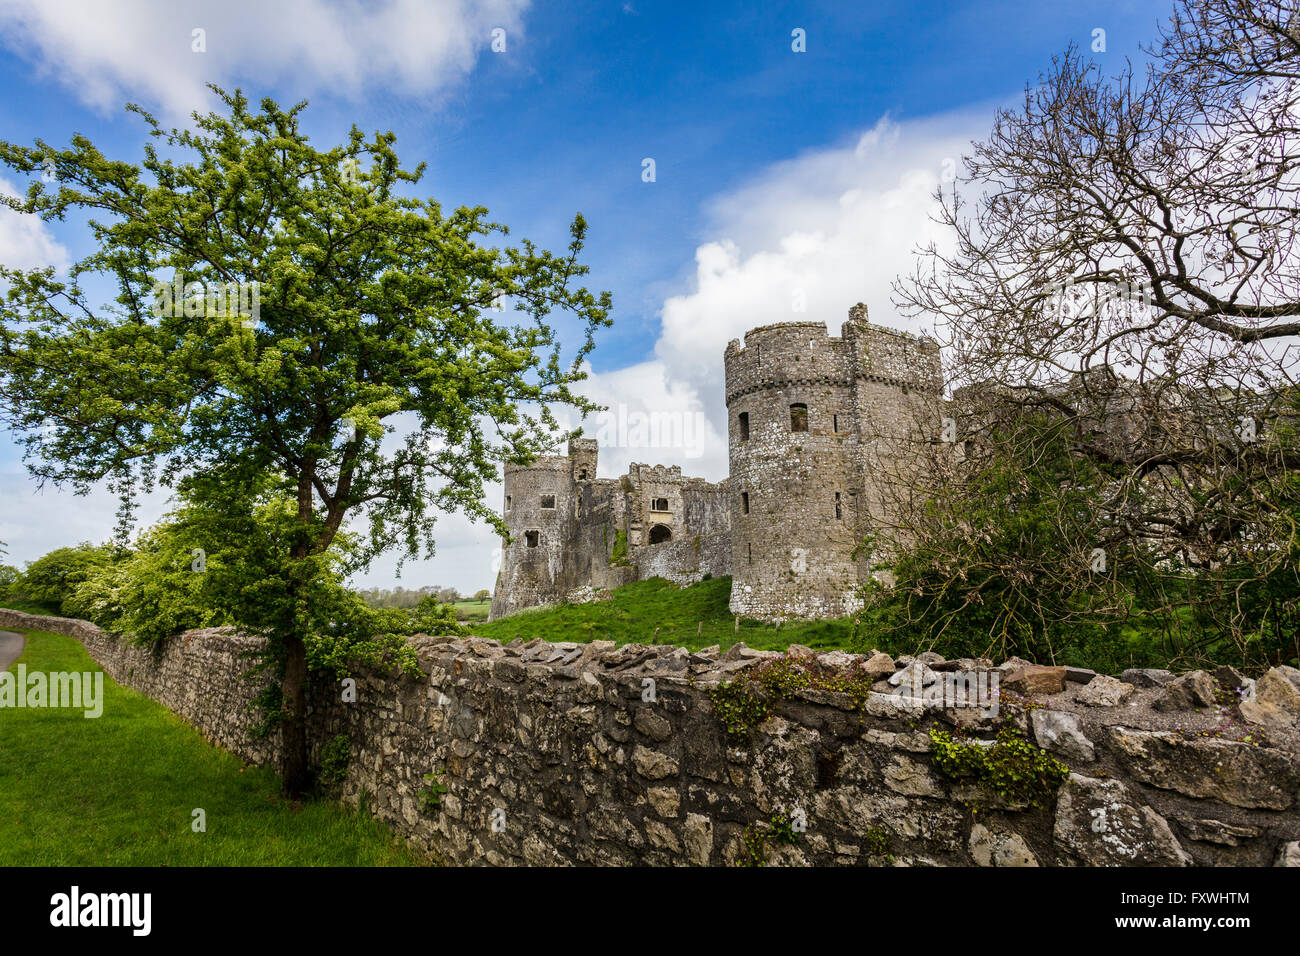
(596, 754)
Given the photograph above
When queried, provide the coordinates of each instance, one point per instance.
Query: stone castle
(814, 424)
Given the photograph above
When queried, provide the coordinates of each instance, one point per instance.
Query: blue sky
(779, 176)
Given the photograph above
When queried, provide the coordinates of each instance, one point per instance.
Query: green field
(120, 790)
(636, 610)
(31, 607)
(472, 610)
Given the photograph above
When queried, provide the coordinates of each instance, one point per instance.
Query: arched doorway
(660, 533)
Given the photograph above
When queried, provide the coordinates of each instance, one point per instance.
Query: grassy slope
(637, 609)
(119, 790)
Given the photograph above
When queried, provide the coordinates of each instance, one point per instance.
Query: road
(11, 645)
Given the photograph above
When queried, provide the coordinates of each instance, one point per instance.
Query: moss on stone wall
(618, 558)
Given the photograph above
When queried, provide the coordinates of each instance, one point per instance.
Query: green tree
(8, 574)
(369, 314)
(8, 578)
(483, 595)
(54, 578)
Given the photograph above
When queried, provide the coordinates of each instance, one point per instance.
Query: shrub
(618, 558)
(335, 756)
(1012, 769)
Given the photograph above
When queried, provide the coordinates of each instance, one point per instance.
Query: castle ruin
(814, 424)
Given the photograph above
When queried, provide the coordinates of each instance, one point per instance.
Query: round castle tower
(803, 409)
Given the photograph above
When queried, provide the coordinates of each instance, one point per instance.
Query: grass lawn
(119, 791)
(635, 610)
(472, 610)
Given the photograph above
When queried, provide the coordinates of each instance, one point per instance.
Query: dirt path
(11, 645)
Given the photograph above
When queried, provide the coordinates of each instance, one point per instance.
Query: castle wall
(587, 560)
(534, 575)
(706, 507)
(685, 561)
(897, 384)
(577, 538)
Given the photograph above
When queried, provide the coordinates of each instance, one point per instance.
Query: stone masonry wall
(534, 575)
(686, 561)
(561, 753)
(792, 557)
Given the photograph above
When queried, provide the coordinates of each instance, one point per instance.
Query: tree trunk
(294, 770)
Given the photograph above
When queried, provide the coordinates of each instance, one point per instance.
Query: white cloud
(25, 242)
(826, 230)
(36, 521)
(652, 418)
(139, 50)
(466, 557)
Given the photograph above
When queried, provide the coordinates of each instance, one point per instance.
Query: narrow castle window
(838, 512)
(532, 538)
(835, 423)
(577, 508)
(659, 504)
(548, 501)
(742, 422)
(798, 417)
(744, 502)
(750, 552)
(507, 502)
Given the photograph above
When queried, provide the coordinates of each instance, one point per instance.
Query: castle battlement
(640, 473)
(541, 463)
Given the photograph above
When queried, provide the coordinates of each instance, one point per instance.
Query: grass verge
(120, 790)
(472, 610)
